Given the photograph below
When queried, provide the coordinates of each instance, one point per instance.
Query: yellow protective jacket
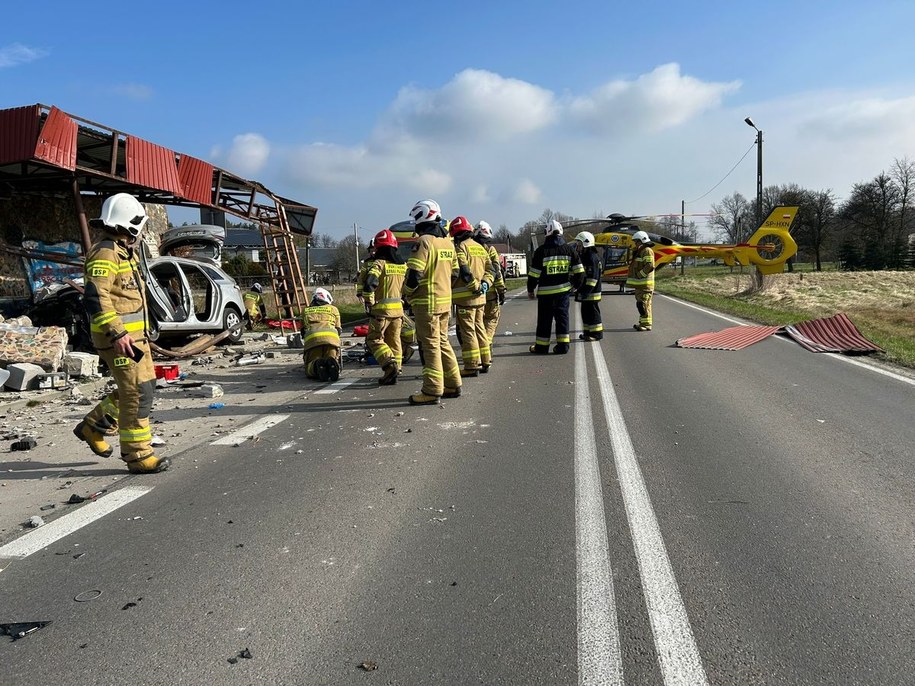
(435, 262)
(498, 284)
(476, 258)
(322, 326)
(115, 295)
(382, 289)
(254, 304)
(641, 269)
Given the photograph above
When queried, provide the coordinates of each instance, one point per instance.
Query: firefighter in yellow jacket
(321, 337)
(430, 270)
(115, 301)
(495, 296)
(382, 294)
(641, 278)
(254, 305)
(470, 297)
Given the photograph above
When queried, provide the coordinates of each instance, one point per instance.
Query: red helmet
(385, 237)
(460, 225)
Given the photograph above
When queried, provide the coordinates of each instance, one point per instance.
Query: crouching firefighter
(382, 296)
(321, 337)
(115, 301)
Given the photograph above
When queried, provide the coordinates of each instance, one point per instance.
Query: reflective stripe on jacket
(114, 298)
(435, 261)
(555, 267)
(476, 258)
(322, 326)
(385, 299)
(591, 289)
(641, 269)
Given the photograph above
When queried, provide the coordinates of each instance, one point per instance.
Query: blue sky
(495, 109)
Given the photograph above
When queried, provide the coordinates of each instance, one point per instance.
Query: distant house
(320, 268)
(246, 242)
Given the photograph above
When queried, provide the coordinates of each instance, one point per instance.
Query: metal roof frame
(45, 151)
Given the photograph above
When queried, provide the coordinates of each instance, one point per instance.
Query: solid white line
(599, 657)
(337, 386)
(677, 652)
(835, 356)
(41, 538)
(246, 433)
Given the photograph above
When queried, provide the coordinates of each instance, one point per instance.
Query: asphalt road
(629, 513)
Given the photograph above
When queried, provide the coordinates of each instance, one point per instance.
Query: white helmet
(484, 230)
(426, 211)
(553, 228)
(586, 238)
(122, 211)
(641, 237)
(257, 288)
(322, 295)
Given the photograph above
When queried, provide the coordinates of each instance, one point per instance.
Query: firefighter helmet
(586, 238)
(426, 211)
(257, 288)
(322, 297)
(641, 237)
(484, 231)
(459, 226)
(385, 237)
(124, 212)
(553, 228)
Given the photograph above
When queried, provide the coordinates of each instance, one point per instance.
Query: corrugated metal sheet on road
(834, 334)
(57, 141)
(734, 338)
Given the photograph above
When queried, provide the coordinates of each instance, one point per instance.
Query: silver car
(191, 295)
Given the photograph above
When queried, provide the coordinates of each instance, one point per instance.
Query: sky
(497, 110)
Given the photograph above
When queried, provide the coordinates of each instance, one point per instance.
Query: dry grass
(881, 304)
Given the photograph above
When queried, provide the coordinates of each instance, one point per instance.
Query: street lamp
(759, 185)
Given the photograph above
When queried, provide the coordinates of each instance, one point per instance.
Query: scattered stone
(368, 666)
(35, 521)
(25, 444)
(44, 508)
(207, 390)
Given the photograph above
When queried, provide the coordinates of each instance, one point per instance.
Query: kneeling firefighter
(321, 337)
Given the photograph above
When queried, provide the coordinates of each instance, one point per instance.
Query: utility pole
(759, 179)
(682, 233)
(356, 244)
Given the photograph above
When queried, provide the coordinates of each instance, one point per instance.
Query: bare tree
(868, 214)
(903, 173)
(820, 212)
(733, 219)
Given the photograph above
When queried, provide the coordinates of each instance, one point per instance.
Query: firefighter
(430, 270)
(321, 337)
(641, 278)
(470, 298)
(115, 301)
(555, 271)
(382, 294)
(254, 304)
(495, 297)
(590, 293)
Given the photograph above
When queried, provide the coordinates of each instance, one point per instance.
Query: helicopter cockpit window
(614, 257)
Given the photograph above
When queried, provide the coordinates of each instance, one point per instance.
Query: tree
(323, 240)
(345, 259)
(733, 219)
(868, 215)
(819, 219)
(502, 235)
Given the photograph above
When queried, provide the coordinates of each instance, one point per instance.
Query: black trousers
(591, 320)
(549, 308)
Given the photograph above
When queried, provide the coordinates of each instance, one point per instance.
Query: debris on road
(206, 390)
(25, 444)
(87, 596)
(368, 666)
(35, 521)
(75, 499)
(243, 654)
(17, 630)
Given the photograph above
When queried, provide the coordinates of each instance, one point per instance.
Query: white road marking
(599, 657)
(337, 386)
(835, 356)
(677, 652)
(42, 537)
(246, 433)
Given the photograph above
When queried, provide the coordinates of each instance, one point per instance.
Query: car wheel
(232, 321)
(152, 332)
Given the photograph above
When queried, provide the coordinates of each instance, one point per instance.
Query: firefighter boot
(148, 465)
(423, 399)
(93, 439)
(390, 375)
(470, 373)
(333, 369)
(452, 392)
(485, 369)
(560, 348)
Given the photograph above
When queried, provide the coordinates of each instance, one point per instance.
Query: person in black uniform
(589, 294)
(555, 271)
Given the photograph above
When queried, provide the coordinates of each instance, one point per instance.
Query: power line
(690, 202)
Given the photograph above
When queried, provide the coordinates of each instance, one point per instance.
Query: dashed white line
(63, 526)
(246, 433)
(599, 657)
(678, 655)
(337, 386)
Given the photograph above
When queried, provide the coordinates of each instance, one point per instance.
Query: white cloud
(474, 105)
(659, 100)
(16, 53)
(133, 91)
(248, 154)
(527, 192)
(865, 117)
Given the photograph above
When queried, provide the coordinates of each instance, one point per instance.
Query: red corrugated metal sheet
(57, 140)
(152, 166)
(734, 338)
(18, 133)
(834, 334)
(196, 179)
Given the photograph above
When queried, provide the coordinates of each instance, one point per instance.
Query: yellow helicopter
(768, 248)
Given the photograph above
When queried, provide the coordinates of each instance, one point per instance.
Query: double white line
(599, 656)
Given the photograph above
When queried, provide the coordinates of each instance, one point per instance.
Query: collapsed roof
(45, 151)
